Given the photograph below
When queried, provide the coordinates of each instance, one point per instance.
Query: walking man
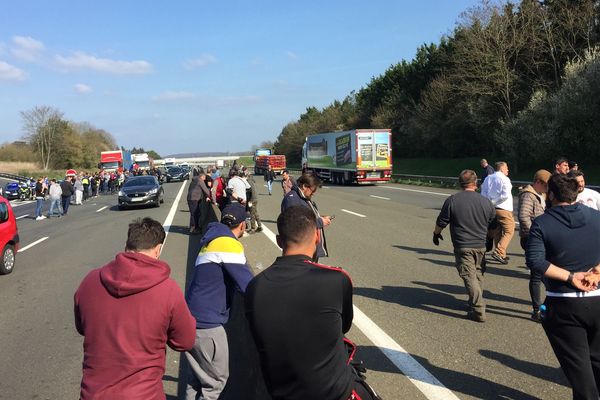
(498, 189)
(252, 194)
(269, 178)
(55, 193)
(469, 215)
(128, 312)
(532, 202)
(220, 269)
(287, 182)
(563, 244)
(67, 191)
(487, 169)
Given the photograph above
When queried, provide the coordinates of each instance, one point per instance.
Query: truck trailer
(264, 157)
(115, 161)
(356, 156)
(143, 161)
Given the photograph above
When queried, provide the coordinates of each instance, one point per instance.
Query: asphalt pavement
(409, 322)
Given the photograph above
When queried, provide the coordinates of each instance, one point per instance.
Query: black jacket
(67, 188)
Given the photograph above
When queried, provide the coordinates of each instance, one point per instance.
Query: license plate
(373, 175)
(137, 199)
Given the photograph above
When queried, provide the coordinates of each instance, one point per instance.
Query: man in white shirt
(497, 188)
(237, 187)
(586, 196)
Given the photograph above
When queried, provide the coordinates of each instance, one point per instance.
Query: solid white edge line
(353, 213)
(22, 216)
(103, 208)
(32, 244)
(432, 388)
(171, 215)
(379, 197)
(414, 190)
(424, 381)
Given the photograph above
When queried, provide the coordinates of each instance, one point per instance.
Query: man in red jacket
(128, 311)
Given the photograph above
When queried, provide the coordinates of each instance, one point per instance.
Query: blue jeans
(39, 203)
(55, 203)
(270, 185)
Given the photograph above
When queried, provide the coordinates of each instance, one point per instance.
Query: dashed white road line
(21, 203)
(101, 209)
(414, 190)
(432, 388)
(379, 197)
(353, 213)
(22, 216)
(32, 244)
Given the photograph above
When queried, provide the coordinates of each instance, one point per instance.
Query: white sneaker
(246, 234)
(40, 218)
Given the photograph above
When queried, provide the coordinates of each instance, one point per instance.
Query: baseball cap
(542, 175)
(233, 214)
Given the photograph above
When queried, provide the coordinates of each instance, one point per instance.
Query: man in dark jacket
(220, 268)
(67, 191)
(301, 195)
(469, 215)
(269, 178)
(128, 312)
(563, 244)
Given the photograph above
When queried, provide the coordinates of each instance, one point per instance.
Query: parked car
(11, 190)
(9, 237)
(141, 190)
(177, 174)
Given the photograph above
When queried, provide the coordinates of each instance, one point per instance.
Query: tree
(42, 126)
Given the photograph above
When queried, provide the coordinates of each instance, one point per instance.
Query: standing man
(269, 178)
(469, 215)
(252, 194)
(585, 196)
(40, 196)
(236, 187)
(498, 189)
(55, 193)
(301, 195)
(128, 312)
(563, 244)
(67, 191)
(287, 182)
(561, 165)
(532, 202)
(299, 312)
(220, 269)
(487, 169)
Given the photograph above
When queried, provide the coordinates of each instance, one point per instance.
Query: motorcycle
(25, 192)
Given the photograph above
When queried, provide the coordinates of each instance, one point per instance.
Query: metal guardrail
(14, 177)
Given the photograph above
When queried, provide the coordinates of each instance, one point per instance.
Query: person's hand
(436, 238)
(326, 220)
(591, 278)
(585, 281)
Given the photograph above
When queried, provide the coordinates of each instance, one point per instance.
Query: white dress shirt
(497, 188)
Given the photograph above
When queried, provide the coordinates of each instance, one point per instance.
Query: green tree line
(513, 79)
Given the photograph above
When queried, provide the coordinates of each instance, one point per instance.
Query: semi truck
(264, 157)
(355, 156)
(143, 161)
(115, 161)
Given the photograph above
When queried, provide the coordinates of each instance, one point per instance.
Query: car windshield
(141, 181)
(175, 170)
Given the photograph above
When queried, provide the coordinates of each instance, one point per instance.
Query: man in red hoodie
(128, 311)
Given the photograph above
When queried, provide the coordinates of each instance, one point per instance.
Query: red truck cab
(9, 237)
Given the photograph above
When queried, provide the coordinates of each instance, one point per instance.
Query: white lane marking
(419, 376)
(32, 244)
(353, 213)
(413, 190)
(103, 208)
(171, 215)
(21, 203)
(379, 197)
(22, 216)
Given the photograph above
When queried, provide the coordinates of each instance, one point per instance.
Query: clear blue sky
(186, 76)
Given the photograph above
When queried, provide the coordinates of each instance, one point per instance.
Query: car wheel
(7, 262)
(162, 199)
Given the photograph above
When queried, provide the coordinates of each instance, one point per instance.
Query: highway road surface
(410, 303)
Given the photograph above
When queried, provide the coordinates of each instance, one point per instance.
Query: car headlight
(121, 193)
(152, 191)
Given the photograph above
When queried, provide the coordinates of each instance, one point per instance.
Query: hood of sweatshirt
(132, 272)
(573, 215)
(215, 230)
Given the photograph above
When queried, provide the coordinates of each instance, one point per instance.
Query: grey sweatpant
(209, 364)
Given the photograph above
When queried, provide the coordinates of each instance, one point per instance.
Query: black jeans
(194, 213)
(573, 328)
(66, 200)
(536, 287)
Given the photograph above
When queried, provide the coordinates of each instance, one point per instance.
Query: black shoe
(498, 258)
(473, 316)
(259, 229)
(536, 316)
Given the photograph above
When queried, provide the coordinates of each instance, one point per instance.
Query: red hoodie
(128, 311)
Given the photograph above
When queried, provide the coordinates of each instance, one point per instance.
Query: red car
(9, 237)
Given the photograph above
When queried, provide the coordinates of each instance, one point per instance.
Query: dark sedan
(11, 191)
(177, 174)
(141, 190)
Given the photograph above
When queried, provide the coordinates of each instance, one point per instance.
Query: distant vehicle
(115, 161)
(170, 162)
(12, 191)
(264, 157)
(9, 237)
(141, 190)
(177, 174)
(356, 156)
(143, 161)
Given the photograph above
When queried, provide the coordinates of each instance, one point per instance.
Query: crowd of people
(559, 228)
